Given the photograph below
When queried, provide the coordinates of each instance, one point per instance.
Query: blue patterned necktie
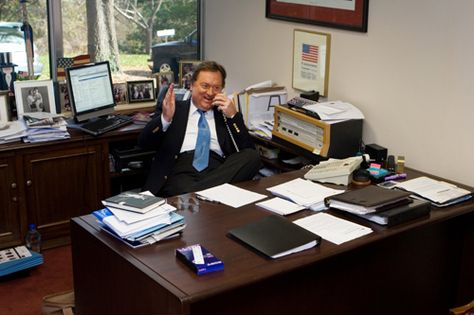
(201, 152)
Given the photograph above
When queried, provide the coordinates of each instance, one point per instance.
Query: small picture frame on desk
(163, 80)
(34, 97)
(311, 51)
(120, 93)
(140, 91)
(186, 70)
(64, 98)
(4, 108)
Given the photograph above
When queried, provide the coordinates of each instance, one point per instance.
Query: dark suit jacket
(168, 144)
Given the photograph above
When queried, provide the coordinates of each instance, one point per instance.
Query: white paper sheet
(230, 195)
(333, 229)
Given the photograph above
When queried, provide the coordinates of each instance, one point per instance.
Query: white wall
(411, 74)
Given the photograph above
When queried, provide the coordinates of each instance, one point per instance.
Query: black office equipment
(92, 100)
(275, 236)
(376, 153)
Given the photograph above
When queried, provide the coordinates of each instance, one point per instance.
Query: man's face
(205, 88)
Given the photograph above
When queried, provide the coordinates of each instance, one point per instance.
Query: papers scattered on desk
(280, 206)
(230, 195)
(335, 111)
(439, 193)
(46, 127)
(333, 229)
(304, 193)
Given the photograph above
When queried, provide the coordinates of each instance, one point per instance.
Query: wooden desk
(421, 267)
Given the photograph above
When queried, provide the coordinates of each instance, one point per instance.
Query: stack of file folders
(17, 259)
(45, 128)
(380, 205)
(139, 227)
(439, 193)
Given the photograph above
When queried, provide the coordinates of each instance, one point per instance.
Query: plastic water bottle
(33, 238)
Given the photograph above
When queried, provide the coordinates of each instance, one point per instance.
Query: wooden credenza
(49, 183)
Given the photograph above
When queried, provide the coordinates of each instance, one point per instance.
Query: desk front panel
(415, 262)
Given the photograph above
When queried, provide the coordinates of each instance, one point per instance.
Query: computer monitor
(90, 90)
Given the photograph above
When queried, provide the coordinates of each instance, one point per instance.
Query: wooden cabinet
(62, 183)
(49, 183)
(10, 216)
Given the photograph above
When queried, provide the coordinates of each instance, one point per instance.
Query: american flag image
(310, 53)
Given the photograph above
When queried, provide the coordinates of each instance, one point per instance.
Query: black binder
(397, 215)
(275, 236)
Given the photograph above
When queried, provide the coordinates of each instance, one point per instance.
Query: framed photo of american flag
(311, 51)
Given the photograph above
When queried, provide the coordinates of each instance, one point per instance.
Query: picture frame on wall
(4, 108)
(140, 91)
(186, 70)
(343, 14)
(120, 93)
(35, 97)
(311, 52)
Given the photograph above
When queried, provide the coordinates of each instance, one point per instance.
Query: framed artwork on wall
(34, 96)
(311, 51)
(344, 14)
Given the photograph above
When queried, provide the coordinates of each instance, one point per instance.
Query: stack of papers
(335, 111)
(304, 193)
(137, 228)
(439, 193)
(17, 259)
(13, 131)
(45, 128)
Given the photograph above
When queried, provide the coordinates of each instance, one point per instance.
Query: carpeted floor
(22, 295)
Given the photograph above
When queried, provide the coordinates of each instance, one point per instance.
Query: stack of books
(17, 259)
(139, 219)
(380, 205)
(47, 128)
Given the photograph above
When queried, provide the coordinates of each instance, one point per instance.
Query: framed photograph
(4, 108)
(120, 93)
(186, 69)
(344, 14)
(64, 101)
(163, 79)
(311, 52)
(34, 96)
(140, 91)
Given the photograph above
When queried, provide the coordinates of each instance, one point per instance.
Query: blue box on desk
(211, 262)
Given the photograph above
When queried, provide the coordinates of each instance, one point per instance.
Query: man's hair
(211, 66)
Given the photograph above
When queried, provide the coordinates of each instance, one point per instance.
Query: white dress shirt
(190, 138)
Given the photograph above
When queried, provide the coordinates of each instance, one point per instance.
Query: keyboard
(104, 124)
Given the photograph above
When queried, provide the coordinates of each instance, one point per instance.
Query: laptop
(92, 100)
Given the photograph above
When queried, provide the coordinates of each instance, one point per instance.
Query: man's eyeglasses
(206, 87)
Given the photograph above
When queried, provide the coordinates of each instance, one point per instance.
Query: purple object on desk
(396, 176)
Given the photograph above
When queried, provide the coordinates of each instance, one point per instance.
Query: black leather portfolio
(275, 236)
(369, 198)
(401, 214)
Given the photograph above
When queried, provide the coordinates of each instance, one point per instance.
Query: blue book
(199, 259)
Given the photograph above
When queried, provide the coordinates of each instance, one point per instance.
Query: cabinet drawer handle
(29, 182)
(13, 185)
(14, 199)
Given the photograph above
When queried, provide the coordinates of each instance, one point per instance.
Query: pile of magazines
(139, 219)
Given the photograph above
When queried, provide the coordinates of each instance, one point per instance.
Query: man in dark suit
(175, 133)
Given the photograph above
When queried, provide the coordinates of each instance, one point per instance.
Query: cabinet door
(10, 230)
(61, 184)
